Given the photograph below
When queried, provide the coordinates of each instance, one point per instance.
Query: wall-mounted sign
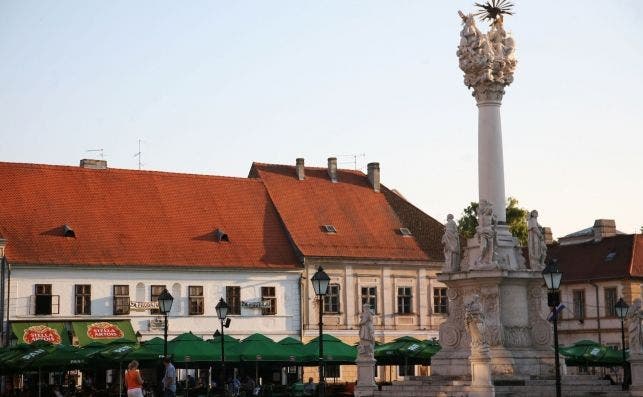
(41, 332)
(143, 306)
(256, 304)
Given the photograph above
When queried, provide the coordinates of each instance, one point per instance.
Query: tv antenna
(99, 151)
(139, 154)
(352, 159)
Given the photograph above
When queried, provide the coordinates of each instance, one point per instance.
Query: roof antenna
(100, 152)
(352, 159)
(139, 154)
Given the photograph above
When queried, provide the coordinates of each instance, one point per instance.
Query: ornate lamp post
(621, 311)
(165, 305)
(320, 282)
(552, 277)
(222, 313)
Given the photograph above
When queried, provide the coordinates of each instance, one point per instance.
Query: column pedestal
(365, 376)
(636, 363)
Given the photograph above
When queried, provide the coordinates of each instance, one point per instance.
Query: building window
(579, 304)
(268, 295)
(43, 299)
(610, 302)
(369, 295)
(440, 301)
(404, 300)
(195, 299)
(121, 299)
(83, 299)
(331, 299)
(156, 290)
(331, 371)
(233, 299)
(406, 370)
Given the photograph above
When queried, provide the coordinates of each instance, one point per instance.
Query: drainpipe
(598, 311)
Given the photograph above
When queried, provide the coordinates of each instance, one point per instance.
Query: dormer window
(405, 232)
(68, 231)
(330, 229)
(221, 235)
(610, 256)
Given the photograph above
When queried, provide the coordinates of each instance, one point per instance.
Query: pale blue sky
(211, 86)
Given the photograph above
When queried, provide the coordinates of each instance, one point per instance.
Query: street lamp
(320, 282)
(621, 311)
(165, 305)
(222, 313)
(552, 277)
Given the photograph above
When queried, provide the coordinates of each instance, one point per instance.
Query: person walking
(133, 380)
(169, 379)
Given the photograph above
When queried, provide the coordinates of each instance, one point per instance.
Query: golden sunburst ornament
(492, 10)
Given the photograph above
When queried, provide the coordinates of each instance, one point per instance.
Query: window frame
(578, 304)
(440, 300)
(196, 302)
(118, 307)
(269, 294)
(154, 297)
(610, 310)
(43, 290)
(82, 299)
(332, 300)
(370, 298)
(401, 303)
(233, 299)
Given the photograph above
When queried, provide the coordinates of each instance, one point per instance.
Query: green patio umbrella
(591, 354)
(258, 347)
(151, 350)
(62, 357)
(26, 354)
(397, 352)
(422, 356)
(189, 348)
(294, 348)
(335, 351)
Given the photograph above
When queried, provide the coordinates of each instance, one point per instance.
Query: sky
(208, 87)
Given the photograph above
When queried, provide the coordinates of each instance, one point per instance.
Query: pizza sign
(41, 332)
(104, 330)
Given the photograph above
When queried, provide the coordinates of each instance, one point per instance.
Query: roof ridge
(631, 266)
(71, 168)
(357, 172)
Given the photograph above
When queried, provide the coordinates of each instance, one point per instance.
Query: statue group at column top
(487, 60)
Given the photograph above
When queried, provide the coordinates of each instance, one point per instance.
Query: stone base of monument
(636, 363)
(365, 377)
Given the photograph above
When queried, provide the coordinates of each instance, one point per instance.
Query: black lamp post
(222, 313)
(621, 311)
(320, 282)
(552, 277)
(165, 305)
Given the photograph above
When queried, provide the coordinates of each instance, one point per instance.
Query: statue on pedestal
(634, 329)
(366, 332)
(451, 241)
(536, 242)
(486, 233)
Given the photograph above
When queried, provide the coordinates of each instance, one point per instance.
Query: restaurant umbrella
(258, 347)
(294, 348)
(189, 348)
(590, 354)
(396, 352)
(335, 351)
(150, 350)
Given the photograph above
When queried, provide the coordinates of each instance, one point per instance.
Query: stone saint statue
(475, 324)
(536, 242)
(486, 232)
(366, 331)
(635, 333)
(451, 241)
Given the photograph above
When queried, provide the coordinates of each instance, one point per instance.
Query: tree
(516, 219)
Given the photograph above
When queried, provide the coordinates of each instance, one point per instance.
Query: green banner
(103, 331)
(53, 332)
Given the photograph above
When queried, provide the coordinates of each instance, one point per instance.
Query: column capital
(489, 93)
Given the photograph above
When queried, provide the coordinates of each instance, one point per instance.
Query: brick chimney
(93, 164)
(299, 166)
(604, 228)
(548, 236)
(374, 175)
(332, 169)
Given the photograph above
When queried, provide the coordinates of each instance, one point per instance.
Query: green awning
(103, 331)
(52, 332)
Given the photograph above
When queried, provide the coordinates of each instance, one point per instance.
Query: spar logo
(104, 330)
(41, 332)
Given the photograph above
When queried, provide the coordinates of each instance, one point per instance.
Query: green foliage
(516, 219)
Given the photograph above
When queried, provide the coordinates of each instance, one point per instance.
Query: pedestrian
(309, 388)
(133, 380)
(169, 379)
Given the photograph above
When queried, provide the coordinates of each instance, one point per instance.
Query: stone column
(491, 176)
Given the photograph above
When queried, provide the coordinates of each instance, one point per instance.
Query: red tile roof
(125, 217)
(613, 257)
(367, 225)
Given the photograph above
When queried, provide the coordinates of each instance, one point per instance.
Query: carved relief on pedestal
(517, 336)
(490, 306)
(451, 330)
(541, 332)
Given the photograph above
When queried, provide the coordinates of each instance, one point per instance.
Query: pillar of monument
(491, 178)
